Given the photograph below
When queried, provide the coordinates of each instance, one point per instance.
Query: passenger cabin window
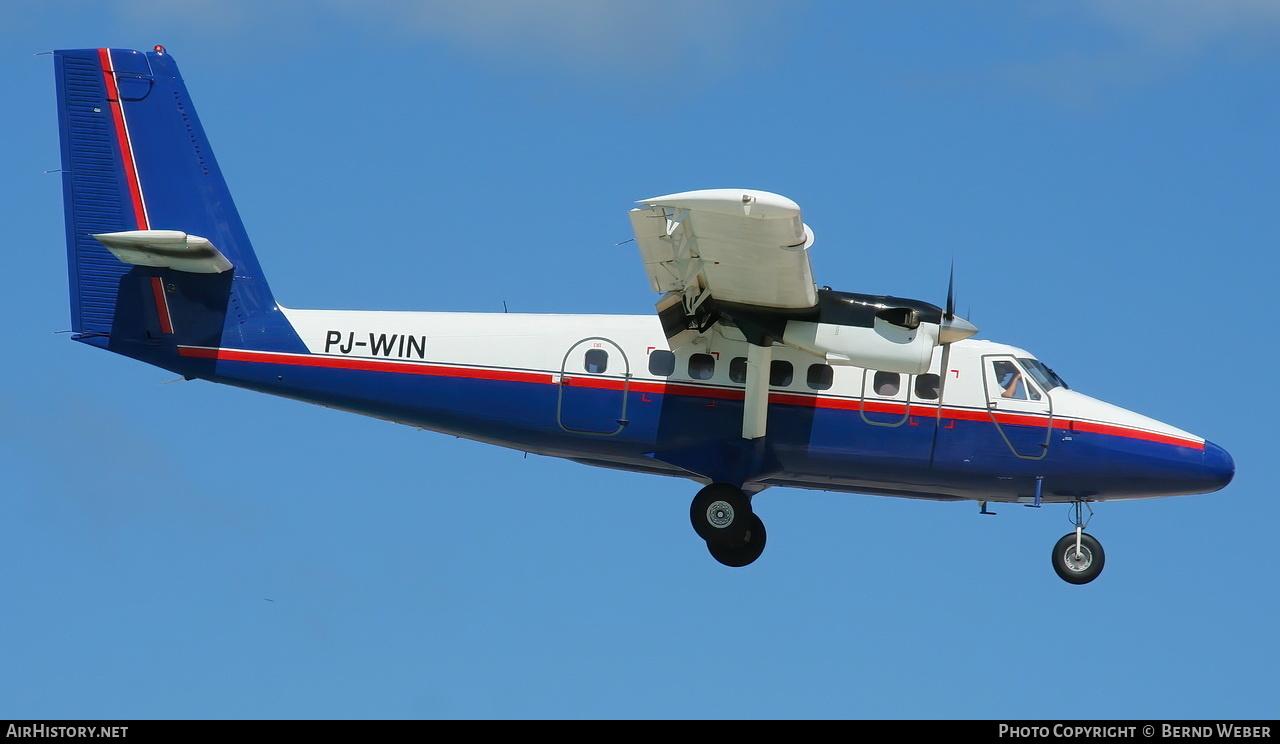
(596, 361)
(887, 383)
(738, 369)
(928, 387)
(820, 376)
(702, 366)
(781, 373)
(662, 363)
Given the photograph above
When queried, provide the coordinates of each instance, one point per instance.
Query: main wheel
(744, 554)
(721, 514)
(1082, 568)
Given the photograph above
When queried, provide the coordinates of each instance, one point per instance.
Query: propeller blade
(953, 328)
(951, 293)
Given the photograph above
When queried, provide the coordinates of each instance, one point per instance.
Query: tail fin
(141, 189)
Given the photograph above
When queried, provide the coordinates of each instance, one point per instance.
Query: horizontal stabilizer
(171, 249)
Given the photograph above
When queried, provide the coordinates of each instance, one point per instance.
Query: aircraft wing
(741, 248)
(734, 245)
(741, 257)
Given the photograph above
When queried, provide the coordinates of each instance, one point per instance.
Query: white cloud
(1146, 41)
(213, 16)
(1188, 24)
(694, 40)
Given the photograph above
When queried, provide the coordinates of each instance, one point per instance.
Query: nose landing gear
(1078, 556)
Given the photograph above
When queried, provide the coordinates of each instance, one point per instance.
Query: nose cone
(1219, 468)
(955, 329)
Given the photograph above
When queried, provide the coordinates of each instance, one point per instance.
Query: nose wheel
(1078, 556)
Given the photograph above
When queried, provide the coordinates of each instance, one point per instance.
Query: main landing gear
(1078, 556)
(721, 514)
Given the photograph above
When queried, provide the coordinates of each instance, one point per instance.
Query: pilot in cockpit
(1010, 381)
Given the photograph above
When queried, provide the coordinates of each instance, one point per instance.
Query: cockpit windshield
(1047, 378)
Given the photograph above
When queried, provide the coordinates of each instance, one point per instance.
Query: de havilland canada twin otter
(748, 376)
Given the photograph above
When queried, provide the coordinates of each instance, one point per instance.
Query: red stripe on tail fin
(122, 136)
(162, 304)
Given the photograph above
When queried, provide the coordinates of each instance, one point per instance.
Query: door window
(887, 384)
(596, 361)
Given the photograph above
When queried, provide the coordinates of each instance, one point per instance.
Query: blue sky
(1104, 176)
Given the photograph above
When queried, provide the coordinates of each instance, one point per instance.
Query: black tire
(721, 514)
(746, 553)
(1075, 570)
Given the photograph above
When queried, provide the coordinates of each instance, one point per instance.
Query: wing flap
(736, 245)
(657, 248)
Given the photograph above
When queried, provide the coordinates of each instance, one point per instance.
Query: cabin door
(594, 377)
(1021, 411)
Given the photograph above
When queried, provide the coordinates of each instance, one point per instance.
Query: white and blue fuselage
(606, 389)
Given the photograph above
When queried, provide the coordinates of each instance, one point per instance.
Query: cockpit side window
(1011, 382)
(1009, 378)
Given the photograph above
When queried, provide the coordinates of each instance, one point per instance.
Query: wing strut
(755, 408)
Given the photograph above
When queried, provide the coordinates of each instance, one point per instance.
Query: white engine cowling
(885, 346)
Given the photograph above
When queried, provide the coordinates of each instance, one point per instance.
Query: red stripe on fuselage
(122, 139)
(673, 388)
(358, 363)
(1095, 427)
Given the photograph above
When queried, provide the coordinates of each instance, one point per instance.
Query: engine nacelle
(883, 346)
(888, 334)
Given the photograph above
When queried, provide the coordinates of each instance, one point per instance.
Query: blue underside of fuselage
(700, 437)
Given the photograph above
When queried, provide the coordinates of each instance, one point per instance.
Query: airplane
(748, 376)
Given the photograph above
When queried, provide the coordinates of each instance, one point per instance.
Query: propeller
(952, 328)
